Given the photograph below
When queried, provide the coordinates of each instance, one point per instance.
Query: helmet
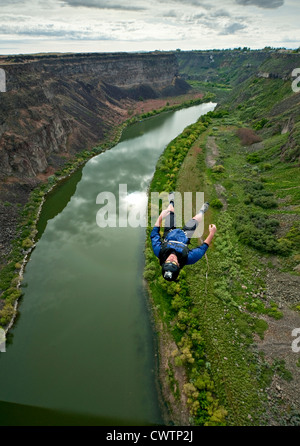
(170, 271)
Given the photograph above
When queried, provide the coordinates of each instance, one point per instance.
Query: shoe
(171, 198)
(204, 208)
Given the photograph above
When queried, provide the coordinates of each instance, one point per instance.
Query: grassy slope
(227, 290)
(226, 330)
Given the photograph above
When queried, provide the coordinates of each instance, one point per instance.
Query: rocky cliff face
(57, 105)
(220, 66)
(234, 67)
(252, 73)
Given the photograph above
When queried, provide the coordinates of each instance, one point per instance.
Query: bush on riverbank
(192, 102)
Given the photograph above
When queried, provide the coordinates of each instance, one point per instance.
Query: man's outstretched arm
(212, 231)
(155, 235)
(156, 240)
(196, 253)
(163, 215)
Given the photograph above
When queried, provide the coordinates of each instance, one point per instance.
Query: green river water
(82, 350)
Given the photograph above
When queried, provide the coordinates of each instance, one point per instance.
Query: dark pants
(189, 228)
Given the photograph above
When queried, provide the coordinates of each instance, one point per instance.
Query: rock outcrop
(57, 105)
(232, 67)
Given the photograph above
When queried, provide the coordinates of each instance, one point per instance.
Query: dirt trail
(212, 154)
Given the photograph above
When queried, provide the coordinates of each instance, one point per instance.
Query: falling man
(173, 251)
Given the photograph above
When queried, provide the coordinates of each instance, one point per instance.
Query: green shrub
(253, 158)
(11, 295)
(265, 202)
(6, 314)
(257, 230)
(216, 203)
(149, 273)
(6, 275)
(260, 326)
(218, 168)
(52, 179)
(257, 195)
(248, 199)
(260, 124)
(294, 235)
(267, 166)
(27, 243)
(280, 369)
(285, 247)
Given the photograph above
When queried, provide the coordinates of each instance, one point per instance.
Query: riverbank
(187, 391)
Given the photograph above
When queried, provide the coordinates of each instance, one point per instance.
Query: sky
(35, 26)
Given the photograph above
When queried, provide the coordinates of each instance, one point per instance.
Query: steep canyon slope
(58, 105)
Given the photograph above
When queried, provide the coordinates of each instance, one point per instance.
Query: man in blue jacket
(173, 251)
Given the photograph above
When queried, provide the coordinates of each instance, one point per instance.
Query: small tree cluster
(257, 230)
(257, 195)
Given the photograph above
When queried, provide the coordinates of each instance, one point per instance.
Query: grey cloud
(267, 4)
(34, 31)
(202, 20)
(50, 31)
(198, 16)
(220, 13)
(11, 2)
(170, 14)
(104, 4)
(210, 20)
(16, 18)
(232, 29)
(188, 3)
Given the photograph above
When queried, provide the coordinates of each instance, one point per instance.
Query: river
(82, 350)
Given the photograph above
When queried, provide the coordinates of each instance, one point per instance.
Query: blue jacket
(177, 235)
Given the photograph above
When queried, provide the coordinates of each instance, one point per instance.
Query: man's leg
(170, 221)
(171, 198)
(191, 226)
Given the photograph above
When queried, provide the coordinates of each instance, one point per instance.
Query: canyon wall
(236, 66)
(57, 105)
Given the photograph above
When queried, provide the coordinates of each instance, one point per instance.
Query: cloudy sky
(33, 26)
